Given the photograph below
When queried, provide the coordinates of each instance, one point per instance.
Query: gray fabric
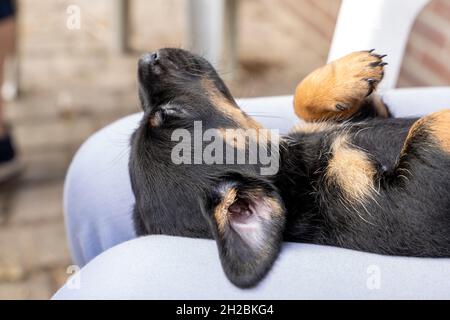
(163, 267)
(98, 202)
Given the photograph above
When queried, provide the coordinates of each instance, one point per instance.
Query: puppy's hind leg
(428, 141)
(419, 187)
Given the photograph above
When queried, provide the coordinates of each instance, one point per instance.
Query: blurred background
(76, 76)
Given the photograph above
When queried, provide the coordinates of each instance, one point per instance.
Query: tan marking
(314, 127)
(155, 120)
(243, 138)
(235, 138)
(274, 205)
(413, 131)
(258, 195)
(221, 211)
(437, 124)
(351, 169)
(440, 128)
(338, 82)
(228, 108)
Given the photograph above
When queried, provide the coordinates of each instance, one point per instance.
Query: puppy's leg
(428, 139)
(424, 162)
(342, 89)
(421, 185)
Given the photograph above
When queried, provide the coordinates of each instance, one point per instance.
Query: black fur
(408, 215)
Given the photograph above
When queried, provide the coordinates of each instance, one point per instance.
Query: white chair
(381, 24)
(386, 25)
(212, 30)
(362, 24)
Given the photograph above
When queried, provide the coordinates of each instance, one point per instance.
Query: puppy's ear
(247, 218)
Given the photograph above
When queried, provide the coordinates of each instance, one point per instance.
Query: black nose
(149, 58)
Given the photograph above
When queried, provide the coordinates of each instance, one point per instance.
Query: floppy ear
(247, 218)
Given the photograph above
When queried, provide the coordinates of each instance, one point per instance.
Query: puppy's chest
(337, 166)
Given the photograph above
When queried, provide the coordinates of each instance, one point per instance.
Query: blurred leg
(7, 45)
(10, 166)
(2, 59)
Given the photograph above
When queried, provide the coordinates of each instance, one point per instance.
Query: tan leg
(431, 130)
(338, 90)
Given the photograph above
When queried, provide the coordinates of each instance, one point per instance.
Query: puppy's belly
(382, 140)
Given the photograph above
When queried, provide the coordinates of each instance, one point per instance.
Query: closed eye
(174, 111)
(168, 116)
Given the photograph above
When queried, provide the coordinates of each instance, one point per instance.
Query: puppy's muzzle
(149, 58)
(148, 63)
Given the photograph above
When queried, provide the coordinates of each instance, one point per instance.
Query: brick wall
(427, 57)
(280, 41)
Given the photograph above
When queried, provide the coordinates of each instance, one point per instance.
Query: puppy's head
(175, 83)
(169, 73)
(231, 203)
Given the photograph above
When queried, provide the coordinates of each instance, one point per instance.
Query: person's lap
(98, 204)
(165, 267)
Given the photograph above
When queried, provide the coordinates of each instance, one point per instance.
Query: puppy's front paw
(337, 90)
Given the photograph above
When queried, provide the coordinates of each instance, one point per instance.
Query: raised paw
(338, 90)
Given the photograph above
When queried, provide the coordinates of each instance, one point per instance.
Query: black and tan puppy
(379, 185)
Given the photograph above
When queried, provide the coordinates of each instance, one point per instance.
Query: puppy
(374, 183)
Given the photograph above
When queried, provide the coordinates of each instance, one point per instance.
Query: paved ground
(73, 84)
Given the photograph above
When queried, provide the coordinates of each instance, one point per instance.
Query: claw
(341, 107)
(379, 56)
(378, 64)
(371, 50)
(371, 80)
(375, 64)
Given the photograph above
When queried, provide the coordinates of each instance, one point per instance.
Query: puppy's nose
(149, 58)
